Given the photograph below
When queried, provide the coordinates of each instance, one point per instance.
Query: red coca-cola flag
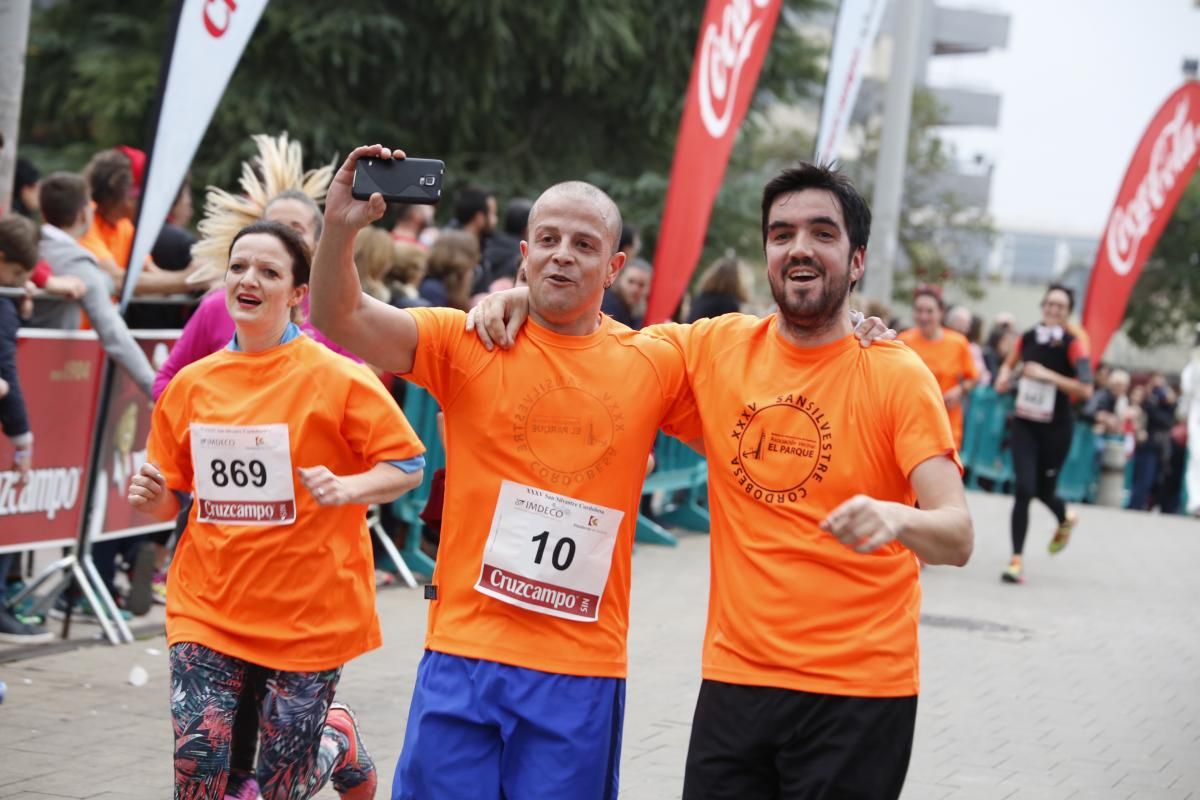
(734, 38)
(1161, 168)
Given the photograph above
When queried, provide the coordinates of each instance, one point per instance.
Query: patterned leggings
(298, 750)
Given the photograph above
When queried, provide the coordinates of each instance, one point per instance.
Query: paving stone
(1080, 684)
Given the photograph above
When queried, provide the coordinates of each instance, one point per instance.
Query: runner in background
(283, 444)
(946, 352)
(1055, 371)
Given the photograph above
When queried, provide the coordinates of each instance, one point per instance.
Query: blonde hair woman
(449, 270)
(374, 254)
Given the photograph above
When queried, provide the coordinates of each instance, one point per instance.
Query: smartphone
(404, 180)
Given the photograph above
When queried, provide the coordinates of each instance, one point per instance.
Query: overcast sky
(1079, 82)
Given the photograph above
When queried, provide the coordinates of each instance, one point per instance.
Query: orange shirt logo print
(567, 432)
(782, 445)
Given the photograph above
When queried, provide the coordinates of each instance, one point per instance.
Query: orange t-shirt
(298, 597)
(573, 415)
(949, 359)
(112, 242)
(790, 435)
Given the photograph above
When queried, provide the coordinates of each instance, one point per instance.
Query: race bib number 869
(243, 474)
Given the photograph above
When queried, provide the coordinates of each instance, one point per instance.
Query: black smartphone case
(408, 180)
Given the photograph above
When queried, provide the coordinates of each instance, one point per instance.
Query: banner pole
(93, 518)
(133, 271)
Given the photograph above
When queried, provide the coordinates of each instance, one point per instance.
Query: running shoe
(82, 611)
(13, 631)
(245, 788)
(1014, 573)
(354, 777)
(1063, 534)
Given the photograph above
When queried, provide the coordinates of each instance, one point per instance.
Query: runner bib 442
(1035, 400)
(549, 553)
(243, 474)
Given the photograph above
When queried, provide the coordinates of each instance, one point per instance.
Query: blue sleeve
(13, 417)
(410, 465)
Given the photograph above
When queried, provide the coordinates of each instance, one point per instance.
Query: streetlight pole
(893, 153)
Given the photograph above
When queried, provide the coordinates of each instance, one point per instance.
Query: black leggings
(1038, 450)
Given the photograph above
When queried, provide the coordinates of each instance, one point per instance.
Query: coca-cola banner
(1161, 168)
(123, 449)
(60, 378)
(734, 38)
(209, 37)
(853, 36)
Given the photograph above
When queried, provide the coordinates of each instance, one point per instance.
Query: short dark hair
(516, 216)
(629, 232)
(855, 211)
(302, 198)
(471, 201)
(19, 240)
(109, 175)
(1058, 287)
(291, 241)
(930, 290)
(62, 196)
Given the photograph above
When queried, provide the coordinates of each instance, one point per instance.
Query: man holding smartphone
(521, 690)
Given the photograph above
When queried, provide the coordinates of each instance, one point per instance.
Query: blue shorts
(489, 731)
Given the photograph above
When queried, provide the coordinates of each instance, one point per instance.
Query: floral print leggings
(297, 750)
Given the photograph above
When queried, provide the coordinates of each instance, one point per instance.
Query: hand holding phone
(399, 180)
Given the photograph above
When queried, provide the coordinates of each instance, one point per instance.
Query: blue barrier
(986, 454)
(682, 473)
(422, 412)
(986, 430)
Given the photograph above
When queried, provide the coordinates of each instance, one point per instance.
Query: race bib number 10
(549, 553)
(243, 474)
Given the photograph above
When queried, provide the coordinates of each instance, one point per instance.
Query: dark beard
(814, 316)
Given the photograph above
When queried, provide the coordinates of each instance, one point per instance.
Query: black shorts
(763, 743)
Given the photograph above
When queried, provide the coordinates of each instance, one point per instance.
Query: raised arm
(376, 332)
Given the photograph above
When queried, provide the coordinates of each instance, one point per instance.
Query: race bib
(549, 553)
(1035, 400)
(243, 474)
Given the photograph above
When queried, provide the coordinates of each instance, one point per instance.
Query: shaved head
(593, 196)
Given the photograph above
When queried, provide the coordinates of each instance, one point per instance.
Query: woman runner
(283, 444)
(1056, 372)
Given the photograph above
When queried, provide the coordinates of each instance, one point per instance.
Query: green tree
(1165, 301)
(512, 94)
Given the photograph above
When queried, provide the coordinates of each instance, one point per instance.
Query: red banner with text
(1161, 168)
(734, 38)
(123, 450)
(60, 379)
